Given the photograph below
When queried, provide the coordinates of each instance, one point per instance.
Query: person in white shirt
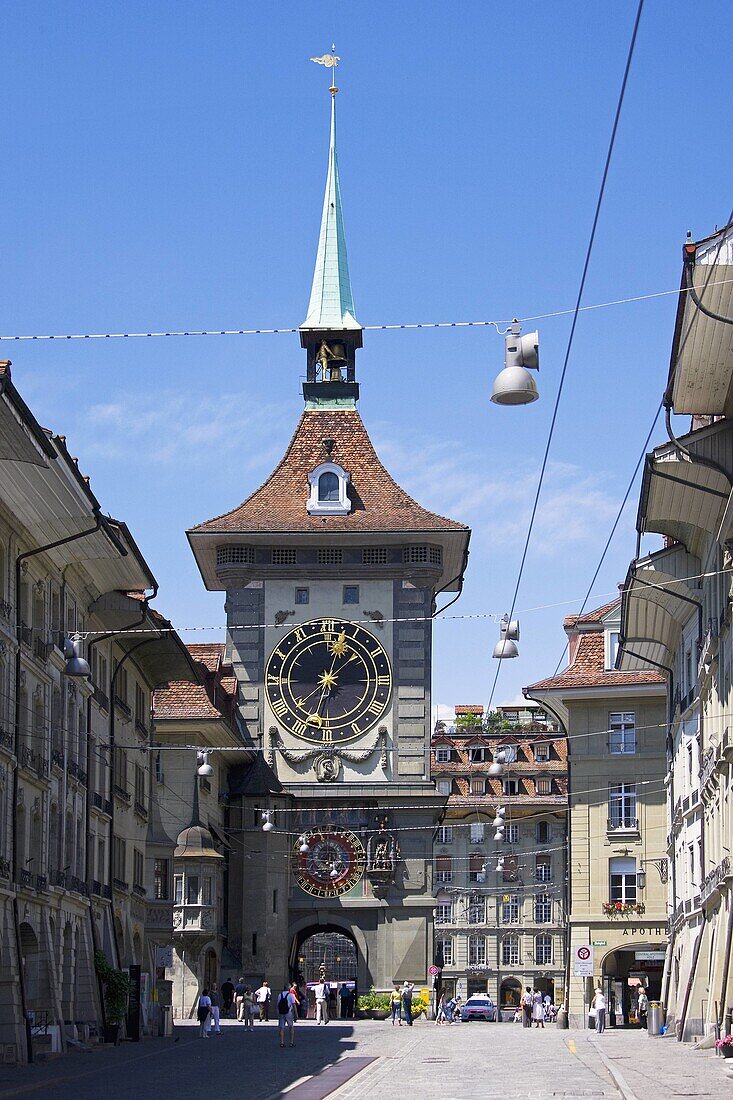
(262, 998)
(599, 1003)
(286, 1003)
(322, 992)
(202, 1013)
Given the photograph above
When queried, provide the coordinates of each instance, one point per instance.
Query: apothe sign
(583, 961)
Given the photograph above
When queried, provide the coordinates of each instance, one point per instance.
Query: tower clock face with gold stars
(333, 864)
(328, 681)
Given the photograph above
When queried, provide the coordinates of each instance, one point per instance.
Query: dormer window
(328, 491)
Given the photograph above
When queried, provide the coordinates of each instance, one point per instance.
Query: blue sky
(164, 166)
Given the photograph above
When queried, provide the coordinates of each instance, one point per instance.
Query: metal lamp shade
(514, 386)
(499, 834)
(206, 771)
(504, 648)
(495, 770)
(77, 666)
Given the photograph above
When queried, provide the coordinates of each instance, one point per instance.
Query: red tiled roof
(466, 709)
(591, 616)
(5, 365)
(587, 669)
(209, 654)
(378, 502)
(179, 699)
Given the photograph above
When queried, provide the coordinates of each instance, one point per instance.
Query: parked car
(479, 1007)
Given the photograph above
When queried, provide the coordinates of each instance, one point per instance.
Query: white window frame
(623, 796)
(510, 950)
(476, 754)
(510, 910)
(542, 909)
(447, 944)
(624, 870)
(613, 638)
(541, 752)
(476, 909)
(340, 507)
(622, 733)
(444, 912)
(445, 834)
(443, 755)
(511, 833)
(477, 829)
(510, 787)
(477, 951)
(543, 949)
(443, 787)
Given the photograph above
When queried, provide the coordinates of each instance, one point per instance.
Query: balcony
(40, 649)
(141, 728)
(121, 885)
(33, 761)
(97, 888)
(41, 883)
(6, 610)
(73, 769)
(57, 758)
(26, 634)
(25, 877)
(140, 810)
(123, 707)
(100, 699)
(6, 739)
(78, 885)
(712, 881)
(122, 793)
(617, 825)
(4, 868)
(194, 919)
(138, 889)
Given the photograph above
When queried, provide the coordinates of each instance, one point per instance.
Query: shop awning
(658, 599)
(682, 499)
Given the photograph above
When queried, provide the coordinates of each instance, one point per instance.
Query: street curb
(618, 1078)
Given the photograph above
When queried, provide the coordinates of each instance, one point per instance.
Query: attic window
(328, 490)
(235, 555)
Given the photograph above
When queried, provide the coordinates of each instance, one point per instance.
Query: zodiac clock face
(328, 681)
(333, 864)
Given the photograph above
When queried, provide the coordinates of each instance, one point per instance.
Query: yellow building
(617, 896)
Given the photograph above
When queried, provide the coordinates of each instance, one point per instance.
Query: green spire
(331, 306)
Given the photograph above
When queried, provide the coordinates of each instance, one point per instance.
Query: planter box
(378, 1013)
(112, 1033)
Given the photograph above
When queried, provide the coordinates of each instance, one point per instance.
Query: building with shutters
(501, 929)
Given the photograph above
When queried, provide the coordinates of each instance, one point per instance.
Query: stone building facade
(676, 618)
(73, 814)
(615, 724)
(500, 929)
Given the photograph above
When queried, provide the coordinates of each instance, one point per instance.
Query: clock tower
(331, 573)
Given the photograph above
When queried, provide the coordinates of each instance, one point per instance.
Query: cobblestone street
(493, 1061)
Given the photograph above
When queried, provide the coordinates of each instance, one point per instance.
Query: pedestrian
(262, 997)
(215, 1010)
(239, 998)
(346, 997)
(227, 997)
(599, 1003)
(538, 1010)
(527, 1002)
(395, 1004)
(450, 1009)
(202, 1013)
(322, 993)
(286, 1015)
(248, 1009)
(407, 989)
(643, 1007)
(440, 1013)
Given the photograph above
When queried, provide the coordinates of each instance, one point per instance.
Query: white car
(479, 1007)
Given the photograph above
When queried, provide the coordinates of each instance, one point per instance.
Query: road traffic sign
(583, 961)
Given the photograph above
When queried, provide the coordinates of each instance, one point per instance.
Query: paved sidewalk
(464, 1062)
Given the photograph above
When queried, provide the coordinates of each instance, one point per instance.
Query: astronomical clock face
(333, 864)
(328, 681)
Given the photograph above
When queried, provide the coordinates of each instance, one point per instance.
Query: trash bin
(655, 1017)
(166, 1021)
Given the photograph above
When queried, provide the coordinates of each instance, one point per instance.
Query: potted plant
(115, 991)
(725, 1046)
(374, 1005)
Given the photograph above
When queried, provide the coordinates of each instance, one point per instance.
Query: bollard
(654, 1018)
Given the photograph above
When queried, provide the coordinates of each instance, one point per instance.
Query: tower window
(351, 593)
(282, 555)
(330, 556)
(374, 555)
(302, 595)
(328, 487)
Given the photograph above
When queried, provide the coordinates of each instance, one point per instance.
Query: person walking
(227, 998)
(440, 1013)
(248, 1009)
(538, 1010)
(599, 1004)
(395, 1004)
(407, 989)
(286, 1016)
(322, 993)
(215, 1014)
(527, 1002)
(643, 1008)
(239, 998)
(202, 1013)
(262, 997)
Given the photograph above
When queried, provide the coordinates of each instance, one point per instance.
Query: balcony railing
(138, 889)
(141, 728)
(121, 792)
(623, 825)
(6, 610)
(97, 888)
(120, 884)
(123, 706)
(26, 634)
(713, 880)
(41, 882)
(57, 758)
(4, 868)
(140, 810)
(78, 884)
(40, 649)
(6, 739)
(73, 769)
(100, 698)
(25, 877)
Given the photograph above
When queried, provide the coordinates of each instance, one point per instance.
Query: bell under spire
(331, 305)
